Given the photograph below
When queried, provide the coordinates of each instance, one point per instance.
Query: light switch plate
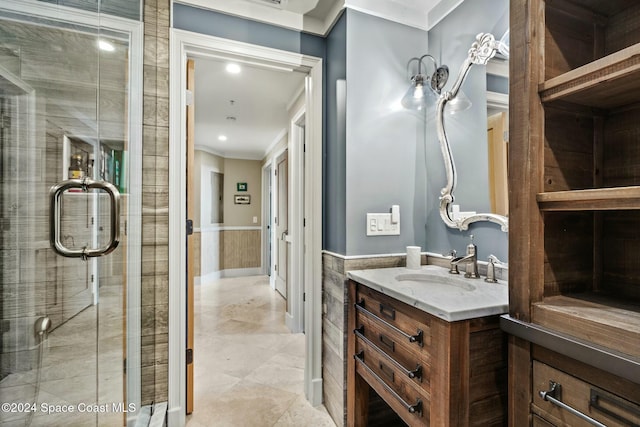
(379, 224)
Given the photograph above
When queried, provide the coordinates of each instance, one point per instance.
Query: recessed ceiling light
(233, 68)
(106, 46)
(222, 138)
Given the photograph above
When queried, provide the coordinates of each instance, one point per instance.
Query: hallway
(249, 370)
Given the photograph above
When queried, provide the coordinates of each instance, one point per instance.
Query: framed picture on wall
(242, 199)
(241, 186)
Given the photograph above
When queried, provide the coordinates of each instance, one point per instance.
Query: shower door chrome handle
(85, 184)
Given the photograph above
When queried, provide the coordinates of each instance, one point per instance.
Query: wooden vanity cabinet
(428, 370)
(574, 179)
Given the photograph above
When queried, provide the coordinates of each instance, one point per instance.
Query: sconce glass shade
(460, 103)
(419, 94)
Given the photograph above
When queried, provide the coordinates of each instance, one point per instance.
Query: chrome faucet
(470, 260)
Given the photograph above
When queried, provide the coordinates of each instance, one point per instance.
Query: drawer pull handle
(414, 409)
(387, 372)
(387, 342)
(553, 395)
(417, 338)
(415, 374)
(388, 311)
(597, 396)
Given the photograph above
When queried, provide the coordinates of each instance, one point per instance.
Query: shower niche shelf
(100, 160)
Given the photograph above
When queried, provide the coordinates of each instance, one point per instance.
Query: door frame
(184, 44)
(294, 318)
(267, 225)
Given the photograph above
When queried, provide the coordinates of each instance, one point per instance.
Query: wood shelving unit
(605, 83)
(591, 200)
(574, 241)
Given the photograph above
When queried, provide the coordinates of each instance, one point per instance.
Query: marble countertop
(433, 290)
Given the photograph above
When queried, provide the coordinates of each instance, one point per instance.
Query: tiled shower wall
(155, 203)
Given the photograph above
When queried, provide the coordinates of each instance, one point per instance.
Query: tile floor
(81, 365)
(249, 369)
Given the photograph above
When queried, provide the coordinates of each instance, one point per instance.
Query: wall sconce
(424, 88)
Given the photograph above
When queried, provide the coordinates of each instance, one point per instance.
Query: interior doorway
(308, 208)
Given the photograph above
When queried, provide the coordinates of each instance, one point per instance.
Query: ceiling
(258, 97)
(249, 108)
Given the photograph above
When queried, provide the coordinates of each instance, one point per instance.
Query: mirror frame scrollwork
(481, 51)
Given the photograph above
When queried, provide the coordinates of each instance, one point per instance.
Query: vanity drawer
(396, 347)
(409, 365)
(392, 383)
(601, 405)
(406, 321)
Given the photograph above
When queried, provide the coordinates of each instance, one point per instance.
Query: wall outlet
(379, 224)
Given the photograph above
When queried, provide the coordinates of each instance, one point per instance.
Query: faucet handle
(472, 249)
(491, 270)
(453, 253)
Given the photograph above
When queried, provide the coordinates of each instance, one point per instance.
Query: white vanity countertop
(432, 289)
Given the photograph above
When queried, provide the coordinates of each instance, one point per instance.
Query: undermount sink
(438, 280)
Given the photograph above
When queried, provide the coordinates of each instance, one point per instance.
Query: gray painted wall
(234, 28)
(386, 155)
(449, 42)
(335, 201)
(385, 158)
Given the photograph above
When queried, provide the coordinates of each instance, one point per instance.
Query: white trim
(296, 215)
(182, 45)
(347, 257)
(176, 413)
(440, 11)
(134, 244)
(266, 220)
(391, 11)
(209, 150)
(313, 235)
(214, 227)
(231, 272)
(498, 100)
(293, 99)
(498, 67)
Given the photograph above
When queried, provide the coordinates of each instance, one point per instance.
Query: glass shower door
(66, 120)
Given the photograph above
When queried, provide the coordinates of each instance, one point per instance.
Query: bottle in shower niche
(76, 168)
(90, 164)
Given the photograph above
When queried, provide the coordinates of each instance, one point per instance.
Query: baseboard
(288, 321)
(241, 272)
(316, 392)
(233, 272)
(175, 417)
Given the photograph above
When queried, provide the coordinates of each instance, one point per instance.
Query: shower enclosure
(70, 109)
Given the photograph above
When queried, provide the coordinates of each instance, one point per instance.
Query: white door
(282, 225)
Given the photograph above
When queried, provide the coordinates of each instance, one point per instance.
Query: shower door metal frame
(134, 30)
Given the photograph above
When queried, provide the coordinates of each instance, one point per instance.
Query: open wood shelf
(617, 198)
(609, 82)
(602, 320)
